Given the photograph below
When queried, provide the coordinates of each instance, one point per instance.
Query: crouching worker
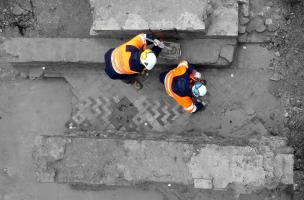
(131, 58)
(184, 84)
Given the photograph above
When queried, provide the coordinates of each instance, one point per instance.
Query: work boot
(137, 85)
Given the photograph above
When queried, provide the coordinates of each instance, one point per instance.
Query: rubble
(242, 29)
(245, 10)
(261, 29)
(277, 54)
(244, 20)
(256, 24)
(17, 10)
(268, 21)
(243, 38)
(243, 2)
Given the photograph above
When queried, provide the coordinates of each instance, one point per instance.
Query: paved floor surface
(241, 102)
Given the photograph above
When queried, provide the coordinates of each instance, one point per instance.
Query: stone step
(169, 18)
(213, 52)
(263, 164)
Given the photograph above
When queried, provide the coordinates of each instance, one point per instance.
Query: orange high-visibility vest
(120, 56)
(186, 102)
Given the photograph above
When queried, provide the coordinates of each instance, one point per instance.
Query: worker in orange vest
(131, 58)
(183, 84)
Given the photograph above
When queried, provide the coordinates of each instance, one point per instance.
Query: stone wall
(265, 163)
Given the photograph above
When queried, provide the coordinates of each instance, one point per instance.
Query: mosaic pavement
(112, 105)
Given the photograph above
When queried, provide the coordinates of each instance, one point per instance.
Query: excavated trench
(241, 110)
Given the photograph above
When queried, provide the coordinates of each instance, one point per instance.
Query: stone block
(154, 15)
(243, 38)
(208, 50)
(223, 22)
(245, 10)
(244, 20)
(283, 168)
(256, 24)
(242, 29)
(41, 52)
(36, 73)
(227, 52)
(203, 183)
(128, 162)
(181, 19)
(31, 50)
(51, 150)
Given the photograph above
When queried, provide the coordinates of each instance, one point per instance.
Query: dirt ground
(43, 18)
(72, 18)
(290, 43)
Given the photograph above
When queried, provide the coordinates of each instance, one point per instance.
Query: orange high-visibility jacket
(186, 102)
(120, 57)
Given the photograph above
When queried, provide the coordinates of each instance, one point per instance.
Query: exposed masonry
(58, 50)
(267, 162)
(200, 18)
(181, 15)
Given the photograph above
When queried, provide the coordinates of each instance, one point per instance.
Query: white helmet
(148, 59)
(199, 90)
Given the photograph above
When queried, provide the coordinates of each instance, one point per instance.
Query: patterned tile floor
(110, 104)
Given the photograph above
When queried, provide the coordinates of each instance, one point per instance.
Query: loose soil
(289, 42)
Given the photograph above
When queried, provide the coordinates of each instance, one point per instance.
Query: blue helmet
(199, 90)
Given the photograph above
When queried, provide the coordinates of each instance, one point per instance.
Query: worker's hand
(199, 107)
(204, 103)
(144, 72)
(204, 81)
(198, 75)
(158, 43)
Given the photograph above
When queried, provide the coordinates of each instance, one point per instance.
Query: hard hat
(148, 59)
(199, 90)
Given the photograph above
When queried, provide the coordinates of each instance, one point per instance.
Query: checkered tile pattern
(104, 113)
(113, 105)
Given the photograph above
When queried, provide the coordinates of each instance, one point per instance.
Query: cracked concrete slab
(128, 162)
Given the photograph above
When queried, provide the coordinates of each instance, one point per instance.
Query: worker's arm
(185, 65)
(156, 50)
(131, 48)
(187, 103)
(134, 62)
(195, 75)
(151, 37)
(191, 109)
(138, 41)
(191, 68)
(199, 107)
